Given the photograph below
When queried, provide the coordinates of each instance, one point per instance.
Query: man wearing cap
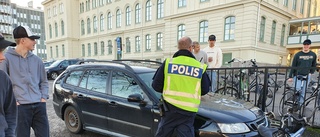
(30, 83)
(214, 55)
(303, 59)
(8, 111)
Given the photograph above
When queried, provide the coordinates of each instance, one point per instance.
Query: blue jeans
(35, 116)
(213, 77)
(302, 90)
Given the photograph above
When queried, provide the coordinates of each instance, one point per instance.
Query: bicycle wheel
(269, 95)
(308, 106)
(228, 91)
(287, 102)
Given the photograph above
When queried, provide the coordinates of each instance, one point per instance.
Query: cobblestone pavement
(57, 126)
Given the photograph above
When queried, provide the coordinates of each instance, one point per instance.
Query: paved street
(57, 126)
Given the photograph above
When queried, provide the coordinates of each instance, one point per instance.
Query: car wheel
(54, 75)
(73, 120)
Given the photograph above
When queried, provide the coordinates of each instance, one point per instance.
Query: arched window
(88, 26)
(82, 28)
(109, 21)
(62, 28)
(148, 10)
(138, 13)
(148, 42)
(128, 45)
(159, 41)
(273, 31)
(102, 47)
(118, 18)
(160, 11)
(95, 24)
(137, 44)
(95, 48)
(50, 31)
(101, 22)
(56, 28)
(203, 31)
(262, 28)
(229, 28)
(128, 16)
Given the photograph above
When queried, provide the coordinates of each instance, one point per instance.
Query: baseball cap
(212, 37)
(307, 42)
(23, 32)
(4, 43)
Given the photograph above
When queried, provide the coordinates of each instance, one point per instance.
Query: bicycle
(238, 84)
(287, 126)
(290, 99)
(273, 87)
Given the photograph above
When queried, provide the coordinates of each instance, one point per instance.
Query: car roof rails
(144, 63)
(125, 62)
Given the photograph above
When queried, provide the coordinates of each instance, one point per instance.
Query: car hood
(226, 109)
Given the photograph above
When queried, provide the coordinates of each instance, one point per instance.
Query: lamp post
(257, 30)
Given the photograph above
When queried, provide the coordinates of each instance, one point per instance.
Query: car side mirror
(136, 98)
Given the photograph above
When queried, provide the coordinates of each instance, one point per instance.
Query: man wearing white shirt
(214, 55)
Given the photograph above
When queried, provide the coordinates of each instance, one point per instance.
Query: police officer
(181, 80)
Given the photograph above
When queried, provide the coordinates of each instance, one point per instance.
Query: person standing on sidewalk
(181, 80)
(8, 108)
(214, 54)
(306, 59)
(30, 84)
(198, 53)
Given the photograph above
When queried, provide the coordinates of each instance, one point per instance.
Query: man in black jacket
(8, 108)
(179, 119)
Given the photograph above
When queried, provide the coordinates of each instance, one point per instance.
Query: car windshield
(147, 79)
(56, 63)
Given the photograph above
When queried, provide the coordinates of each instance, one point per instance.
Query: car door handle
(112, 103)
(80, 96)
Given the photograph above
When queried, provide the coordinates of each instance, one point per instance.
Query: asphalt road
(57, 126)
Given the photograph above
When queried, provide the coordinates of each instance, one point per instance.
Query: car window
(83, 82)
(73, 62)
(74, 77)
(97, 80)
(64, 63)
(124, 85)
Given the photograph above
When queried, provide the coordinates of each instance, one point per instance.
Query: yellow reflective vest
(182, 82)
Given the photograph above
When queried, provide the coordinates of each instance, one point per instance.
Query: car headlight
(233, 128)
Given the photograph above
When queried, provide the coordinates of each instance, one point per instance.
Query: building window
(109, 1)
(229, 28)
(109, 47)
(181, 31)
(50, 31)
(109, 21)
(148, 42)
(88, 26)
(83, 50)
(62, 28)
(95, 24)
(102, 48)
(138, 13)
(51, 53)
(203, 31)
(128, 16)
(273, 32)
(56, 28)
(262, 28)
(159, 41)
(128, 45)
(89, 49)
(137, 44)
(82, 28)
(94, 4)
(148, 11)
(63, 51)
(285, 3)
(302, 6)
(118, 18)
(57, 51)
(160, 12)
(95, 48)
(101, 22)
(283, 31)
(182, 3)
(204, 0)
(294, 4)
